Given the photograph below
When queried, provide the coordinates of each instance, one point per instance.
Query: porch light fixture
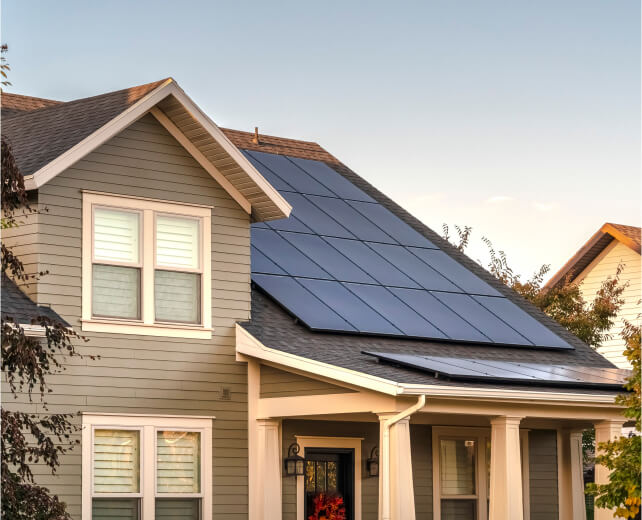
(372, 464)
(294, 463)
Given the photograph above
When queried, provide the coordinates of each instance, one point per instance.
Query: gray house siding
(279, 383)
(542, 447)
(147, 374)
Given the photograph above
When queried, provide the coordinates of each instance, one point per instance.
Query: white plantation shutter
(116, 236)
(178, 462)
(116, 461)
(177, 242)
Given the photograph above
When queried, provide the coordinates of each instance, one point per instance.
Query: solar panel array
(510, 371)
(343, 262)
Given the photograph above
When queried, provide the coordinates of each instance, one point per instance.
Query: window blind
(178, 462)
(177, 242)
(178, 508)
(177, 296)
(457, 467)
(116, 291)
(116, 236)
(116, 461)
(115, 509)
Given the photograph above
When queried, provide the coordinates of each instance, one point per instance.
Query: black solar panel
(469, 369)
(367, 271)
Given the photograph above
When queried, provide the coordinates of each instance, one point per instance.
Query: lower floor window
(146, 467)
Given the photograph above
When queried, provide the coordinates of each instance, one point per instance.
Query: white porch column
(264, 455)
(570, 476)
(605, 431)
(395, 471)
(506, 500)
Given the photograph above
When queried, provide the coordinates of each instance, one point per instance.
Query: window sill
(157, 329)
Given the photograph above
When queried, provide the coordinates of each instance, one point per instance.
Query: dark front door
(329, 471)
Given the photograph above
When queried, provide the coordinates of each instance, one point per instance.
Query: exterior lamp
(294, 463)
(372, 464)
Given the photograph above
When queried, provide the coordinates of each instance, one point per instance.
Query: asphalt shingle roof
(17, 307)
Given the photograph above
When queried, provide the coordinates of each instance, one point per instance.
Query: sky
(518, 118)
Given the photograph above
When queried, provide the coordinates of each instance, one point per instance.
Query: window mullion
(148, 474)
(149, 246)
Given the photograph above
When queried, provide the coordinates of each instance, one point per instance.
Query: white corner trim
(250, 346)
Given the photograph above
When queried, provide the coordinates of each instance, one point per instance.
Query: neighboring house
(251, 297)
(613, 246)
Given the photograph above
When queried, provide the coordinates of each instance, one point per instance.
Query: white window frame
(148, 209)
(480, 436)
(305, 441)
(148, 426)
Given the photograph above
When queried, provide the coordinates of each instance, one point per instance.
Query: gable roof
(48, 139)
(18, 307)
(627, 235)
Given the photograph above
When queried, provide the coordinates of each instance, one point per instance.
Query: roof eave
(279, 207)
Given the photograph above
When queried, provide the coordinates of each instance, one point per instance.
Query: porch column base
(267, 481)
(506, 500)
(605, 431)
(395, 471)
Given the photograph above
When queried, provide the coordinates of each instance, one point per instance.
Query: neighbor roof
(277, 329)
(49, 136)
(627, 235)
(19, 308)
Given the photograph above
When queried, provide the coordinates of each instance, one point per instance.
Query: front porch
(487, 455)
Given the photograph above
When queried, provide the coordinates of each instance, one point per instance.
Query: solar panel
(285, 255)
(351, 308)
(395, 310)
(289, 172)
(424, 275)
(483, 370)
(332, 180)
(289, 293)
(522, 322)
(334, 263)
(454, 271)
(376, 273)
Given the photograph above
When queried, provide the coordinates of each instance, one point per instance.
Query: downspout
(385, 453)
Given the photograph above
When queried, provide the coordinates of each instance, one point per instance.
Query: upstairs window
(146, 267)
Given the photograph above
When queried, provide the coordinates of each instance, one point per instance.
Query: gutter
(385, 453)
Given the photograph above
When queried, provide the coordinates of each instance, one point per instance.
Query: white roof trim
(248, 345)
(136, 111)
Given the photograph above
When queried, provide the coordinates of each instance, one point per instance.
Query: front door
(329, 471)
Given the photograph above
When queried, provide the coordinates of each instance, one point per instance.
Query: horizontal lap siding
(542, 446)
(421, 446)
(279, 383)
(147, 374)
(591, 279)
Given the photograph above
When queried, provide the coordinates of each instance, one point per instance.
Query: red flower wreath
(328, 507)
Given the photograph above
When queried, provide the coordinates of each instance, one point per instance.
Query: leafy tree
(29, 438)
(622, 456)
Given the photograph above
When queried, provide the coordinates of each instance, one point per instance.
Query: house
(271, 326)
(613, 246)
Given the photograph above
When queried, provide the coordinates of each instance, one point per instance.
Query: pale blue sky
(519, 118)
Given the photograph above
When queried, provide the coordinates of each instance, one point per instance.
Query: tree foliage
(622, 456)
(29, 438)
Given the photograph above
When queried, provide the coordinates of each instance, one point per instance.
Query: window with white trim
(146, 266)
(146, 468)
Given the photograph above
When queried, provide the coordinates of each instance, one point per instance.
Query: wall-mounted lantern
(372, 464)
(294, 463)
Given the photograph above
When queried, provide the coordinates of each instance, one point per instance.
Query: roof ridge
(48, 100)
